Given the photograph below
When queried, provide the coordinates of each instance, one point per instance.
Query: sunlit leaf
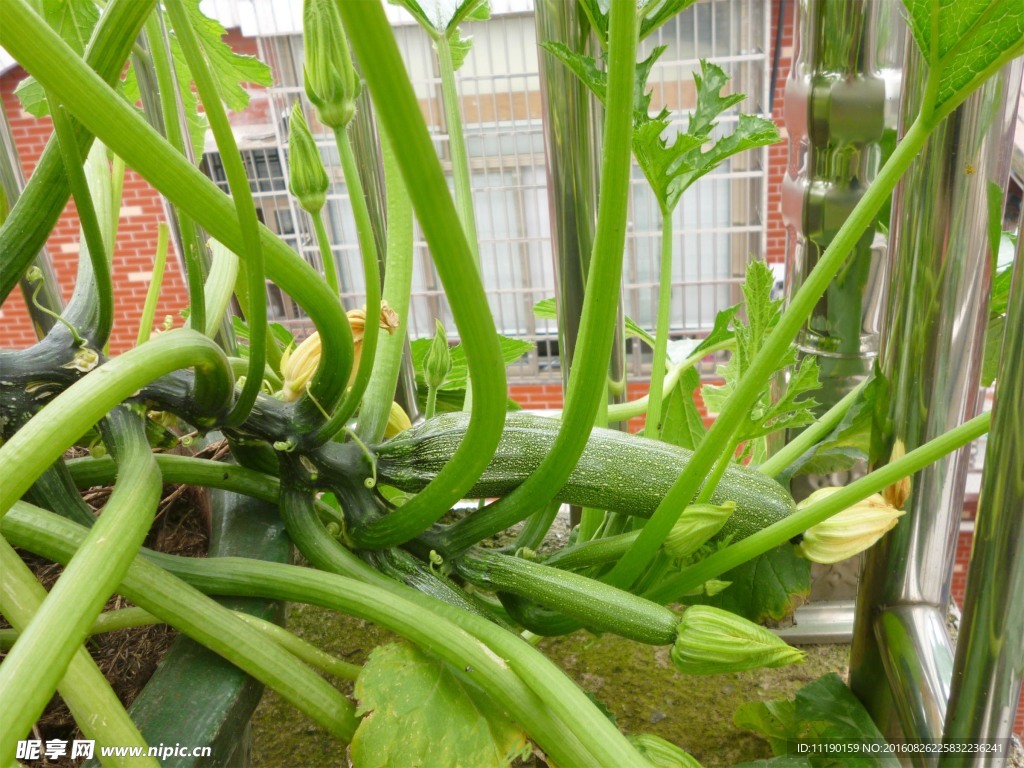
(414, 705)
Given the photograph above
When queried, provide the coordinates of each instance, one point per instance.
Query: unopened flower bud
(697, 524)
(711, 641)
(896, 494)
(849, 532)
(332, 84)
(398, 421)
(661, 753)
(438, 361)
(307, 179)
(298, 366)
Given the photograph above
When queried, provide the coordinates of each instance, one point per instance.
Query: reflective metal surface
(571, 142)
(841, 113)
(918, 658)
(820, 622)
(990, 651)
(930, 355)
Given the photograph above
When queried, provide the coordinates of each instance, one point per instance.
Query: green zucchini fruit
(617, 472)
(596, 605)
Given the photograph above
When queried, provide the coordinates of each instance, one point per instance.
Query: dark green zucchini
(617, 472)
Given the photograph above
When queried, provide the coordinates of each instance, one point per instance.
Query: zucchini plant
(365, 497)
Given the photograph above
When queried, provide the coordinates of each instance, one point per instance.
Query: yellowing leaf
(418, 711)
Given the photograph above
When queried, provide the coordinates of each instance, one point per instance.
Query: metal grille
(718, 225)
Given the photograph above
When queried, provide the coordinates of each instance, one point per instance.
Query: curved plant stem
(36, 664)
(652, 427)
(811, 436)
(83, 687)
(399, 113)
(163, 237)
(98, 257)
(220, 630)
(126, 618)
(761, 367)
(371, 278)
(587, 380)
(40, 51)
(252, 250)
(780, 532)
(552, 709)
(41, 202)
(171, 119)
(71, 413)
(373, 413)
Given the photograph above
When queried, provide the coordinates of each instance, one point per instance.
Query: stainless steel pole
(990, 650)
(841, 110)
(930, 357)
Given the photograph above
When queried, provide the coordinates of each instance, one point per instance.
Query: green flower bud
(710, 641)
(849, 532)
(661, 753)
(332, 84)
(697, 524)
(307, 178)
(438, 361)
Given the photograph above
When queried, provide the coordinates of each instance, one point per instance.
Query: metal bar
(990, 652)
(930, 357)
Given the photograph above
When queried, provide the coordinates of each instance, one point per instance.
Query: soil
(128, 657)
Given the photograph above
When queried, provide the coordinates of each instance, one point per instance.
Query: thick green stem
(104, 296)
(40, 204)
(811, 436)
(376, 407)
(552, 709)
(83, 687)
(101, 110)
(400, 115)
(597, 326)
(721, 464)
(652, 428)
(371, 278)
(163, 238)
(761, 367)
(71, 413)
(326, 253)
(128, 618)
(782, 531)
(37, 662)
(245, 210)
(219, 629)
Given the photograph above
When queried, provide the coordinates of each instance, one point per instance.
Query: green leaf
(847, 444)
(414, 705)
(720, 332)
(656, 12)
(767, 587)
(460, 48)
(964, 42)
(74, 21)
(769, 413)
(682, 423)
(672, 168)
(823, 712)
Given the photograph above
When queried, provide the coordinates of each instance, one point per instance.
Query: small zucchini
(617, 471)
(595, 605)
